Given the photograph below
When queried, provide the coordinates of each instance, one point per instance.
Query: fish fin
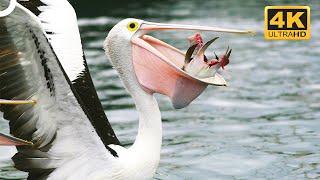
(204, 47)
(189, 53)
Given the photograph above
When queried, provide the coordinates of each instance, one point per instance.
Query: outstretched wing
(56, 124)
(59, 21)
(6, 140)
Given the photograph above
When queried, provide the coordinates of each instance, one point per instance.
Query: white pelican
(48, 97)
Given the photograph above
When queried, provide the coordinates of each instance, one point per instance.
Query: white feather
(66, 42)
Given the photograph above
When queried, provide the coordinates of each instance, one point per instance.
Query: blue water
(265, 125)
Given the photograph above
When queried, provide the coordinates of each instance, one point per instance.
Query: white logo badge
(9, 10)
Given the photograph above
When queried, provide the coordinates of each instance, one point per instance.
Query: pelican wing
(59, 21)
(6, 140)
(57, 124)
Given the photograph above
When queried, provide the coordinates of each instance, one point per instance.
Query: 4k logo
(287, 22)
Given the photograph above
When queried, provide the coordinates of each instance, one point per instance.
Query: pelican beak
(6, 140)
(151, 26)
(158, 65)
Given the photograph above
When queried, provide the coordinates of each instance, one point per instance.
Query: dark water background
(265, 125)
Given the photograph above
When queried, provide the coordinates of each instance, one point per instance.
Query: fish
(196, 62)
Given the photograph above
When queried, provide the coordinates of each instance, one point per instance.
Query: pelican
(47, 95)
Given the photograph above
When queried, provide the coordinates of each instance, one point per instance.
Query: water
(265, 125)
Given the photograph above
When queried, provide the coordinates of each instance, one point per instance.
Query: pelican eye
(132, 26)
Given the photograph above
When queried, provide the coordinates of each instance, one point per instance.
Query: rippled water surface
(264, 125)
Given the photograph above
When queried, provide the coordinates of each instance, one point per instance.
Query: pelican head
(144, 62)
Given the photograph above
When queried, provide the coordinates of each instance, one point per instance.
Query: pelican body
(54, 113)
